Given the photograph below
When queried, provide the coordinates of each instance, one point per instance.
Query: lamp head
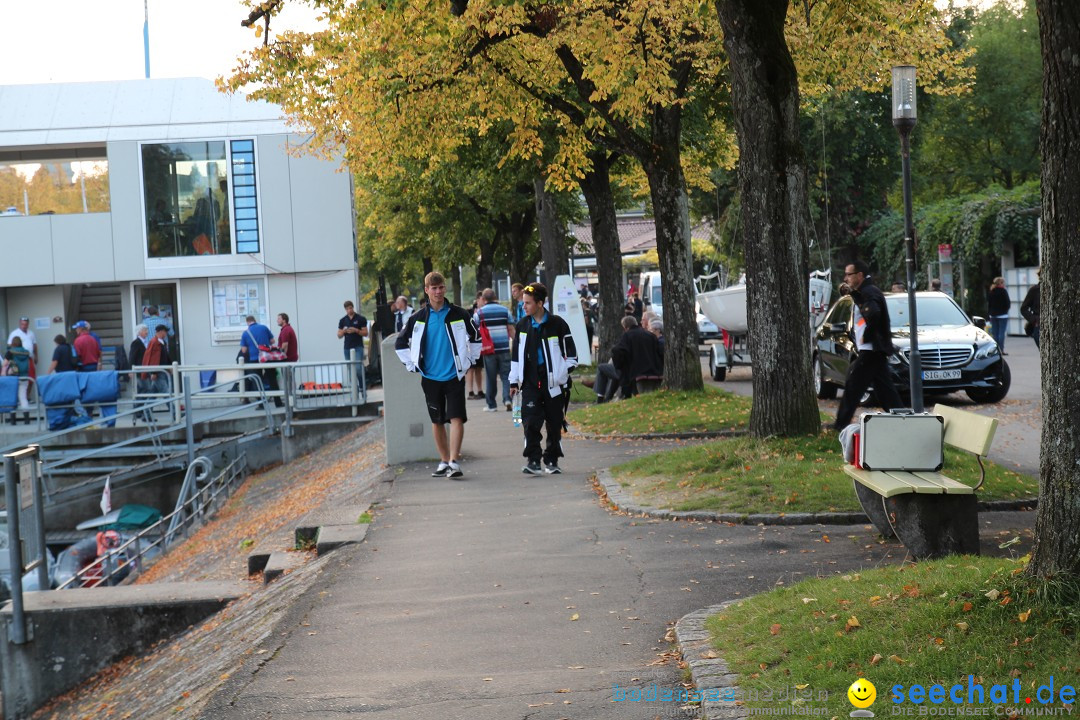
(903, 97)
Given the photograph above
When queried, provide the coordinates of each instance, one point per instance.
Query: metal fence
(193, 509)
(297, 387)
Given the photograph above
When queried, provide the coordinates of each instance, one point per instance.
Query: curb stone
(623, 501)
(707, 673)
(705, 435)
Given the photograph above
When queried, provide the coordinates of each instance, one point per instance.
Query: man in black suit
(873, 338)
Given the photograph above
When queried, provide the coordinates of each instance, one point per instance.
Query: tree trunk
(485, 265)
(455, 276)
(671, 212)
(596, 187)
(521, 248)
(1057, 524)
(772, 177)
(553, 248)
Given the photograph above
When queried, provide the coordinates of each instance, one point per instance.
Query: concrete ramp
(75, 633)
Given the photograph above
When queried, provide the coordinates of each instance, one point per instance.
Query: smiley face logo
(862, 693)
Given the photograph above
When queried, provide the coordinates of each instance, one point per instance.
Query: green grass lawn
(745, 475)
(931, 623)
(663, 412)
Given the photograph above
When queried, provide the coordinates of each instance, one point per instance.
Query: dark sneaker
(453, 470)
(442, 470)
(552, 469)
(508, 406)
(533, 468)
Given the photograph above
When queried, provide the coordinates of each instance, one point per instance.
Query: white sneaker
(442, 470)
(454, 470)
(494, 409)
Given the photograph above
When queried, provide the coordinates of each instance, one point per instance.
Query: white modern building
(117, 198)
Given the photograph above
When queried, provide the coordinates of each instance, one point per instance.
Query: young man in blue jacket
(540, 362)
(441, 342)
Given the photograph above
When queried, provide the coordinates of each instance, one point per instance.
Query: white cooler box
(902, 440)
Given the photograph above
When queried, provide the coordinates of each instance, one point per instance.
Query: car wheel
(994, 394)
(825, 390)
(718, 372)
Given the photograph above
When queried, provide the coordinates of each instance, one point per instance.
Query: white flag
(106, 498)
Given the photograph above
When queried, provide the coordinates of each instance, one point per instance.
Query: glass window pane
(245, 214)
(243, 180)
(245, 192)
(251, 224)
(55, 187)
(242, 145)
(186, 195)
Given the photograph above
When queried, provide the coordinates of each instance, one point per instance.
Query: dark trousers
(539, 409)
(870, 368)
(607, 380)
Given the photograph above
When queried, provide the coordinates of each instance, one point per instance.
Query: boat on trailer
(726, 308)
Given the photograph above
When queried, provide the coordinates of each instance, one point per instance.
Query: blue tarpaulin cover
(100, 386)
(9, 393)
(59, 388)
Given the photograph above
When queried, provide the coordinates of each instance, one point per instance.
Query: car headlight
(896, 358)
(988, 350)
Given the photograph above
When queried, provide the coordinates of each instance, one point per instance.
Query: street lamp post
(903, 117)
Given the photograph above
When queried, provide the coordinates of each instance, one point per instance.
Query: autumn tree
(1057, 524)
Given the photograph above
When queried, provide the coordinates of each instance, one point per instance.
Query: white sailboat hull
(725, 307)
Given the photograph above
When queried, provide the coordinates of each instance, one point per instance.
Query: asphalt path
(510, 596)
(1019, 415)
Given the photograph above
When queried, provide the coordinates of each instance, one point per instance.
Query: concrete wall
(128, 220)
(75, 633)
(37, 302)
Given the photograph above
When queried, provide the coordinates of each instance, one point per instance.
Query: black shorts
(445, 399)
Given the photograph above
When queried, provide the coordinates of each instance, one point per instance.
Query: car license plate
(941, 375)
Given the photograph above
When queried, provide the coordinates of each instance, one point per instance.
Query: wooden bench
(648, 383)
(933, 515)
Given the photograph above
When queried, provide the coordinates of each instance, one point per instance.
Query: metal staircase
(100, 305)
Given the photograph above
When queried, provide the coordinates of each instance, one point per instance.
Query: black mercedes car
(957, 353)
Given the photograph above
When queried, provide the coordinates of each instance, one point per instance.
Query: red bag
(487, 345)
(201, 245)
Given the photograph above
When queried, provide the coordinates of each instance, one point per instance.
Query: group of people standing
(531, 350)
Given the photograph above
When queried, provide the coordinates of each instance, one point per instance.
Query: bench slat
(967, 430)
(888, 484)
(948, 485)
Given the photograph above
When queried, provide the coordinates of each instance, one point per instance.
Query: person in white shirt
(26, 335)
(402, 311)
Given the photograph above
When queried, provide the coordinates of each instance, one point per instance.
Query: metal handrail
(196, 472)
(194, 507)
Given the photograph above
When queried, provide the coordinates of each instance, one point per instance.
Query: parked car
(957, 353)
(10, 210)
(706, 328)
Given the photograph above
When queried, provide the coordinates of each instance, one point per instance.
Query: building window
(50, 185)
(231, 301)
(186, 195)
(245, 206)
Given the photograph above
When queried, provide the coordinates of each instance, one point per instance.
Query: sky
(79, 41)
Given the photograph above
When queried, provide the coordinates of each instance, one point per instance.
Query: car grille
(936, 357)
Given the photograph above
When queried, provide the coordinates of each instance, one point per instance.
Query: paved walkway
(511, 596)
